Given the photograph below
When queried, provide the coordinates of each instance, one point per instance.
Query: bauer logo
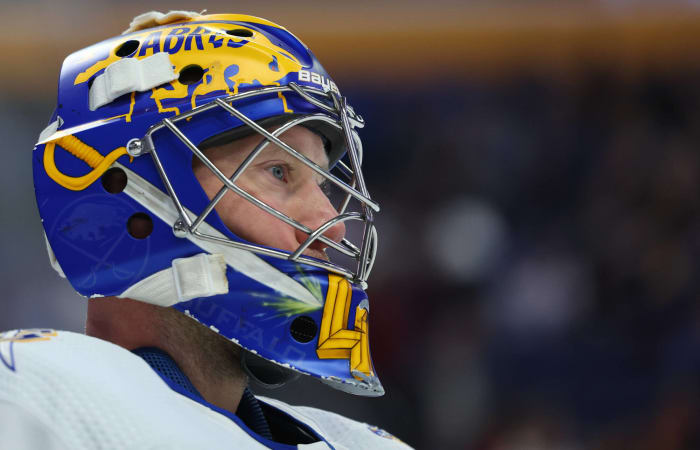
(315, 78)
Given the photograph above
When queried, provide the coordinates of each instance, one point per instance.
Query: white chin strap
(202, 275)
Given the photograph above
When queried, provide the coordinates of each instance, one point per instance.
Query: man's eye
(277, 172)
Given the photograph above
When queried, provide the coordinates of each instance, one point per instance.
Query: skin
(281, 181)
(210, 361)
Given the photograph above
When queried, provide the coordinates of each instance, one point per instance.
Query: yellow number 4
(337, 342)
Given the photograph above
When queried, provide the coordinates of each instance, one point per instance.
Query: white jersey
(63, 390)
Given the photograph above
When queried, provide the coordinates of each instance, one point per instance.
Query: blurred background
(538, 170)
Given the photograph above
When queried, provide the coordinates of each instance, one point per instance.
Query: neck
(211, 362)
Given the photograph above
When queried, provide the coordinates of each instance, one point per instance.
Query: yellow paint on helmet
(207, 45)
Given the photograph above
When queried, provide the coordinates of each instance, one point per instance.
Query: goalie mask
(125, 215)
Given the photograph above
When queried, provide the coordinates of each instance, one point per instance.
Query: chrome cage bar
(346, 122)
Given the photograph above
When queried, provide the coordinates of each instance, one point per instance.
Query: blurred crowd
(536, 287)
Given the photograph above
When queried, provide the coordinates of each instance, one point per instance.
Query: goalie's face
(281, 181)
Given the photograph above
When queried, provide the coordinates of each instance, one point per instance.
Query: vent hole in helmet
(140, 225)
(240, 32)
(114, 180)
(303, 329)
(127, 48)
(191, 74)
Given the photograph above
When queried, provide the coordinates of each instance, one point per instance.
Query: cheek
(207, 180)
(237, 213)
(253, 224)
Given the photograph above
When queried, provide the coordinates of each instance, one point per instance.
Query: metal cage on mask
(342, 118)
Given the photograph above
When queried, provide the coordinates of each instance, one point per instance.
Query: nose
(316, 211)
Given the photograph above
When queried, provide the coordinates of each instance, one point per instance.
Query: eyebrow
(272, 148)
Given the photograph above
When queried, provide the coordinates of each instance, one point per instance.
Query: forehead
(300, 138)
